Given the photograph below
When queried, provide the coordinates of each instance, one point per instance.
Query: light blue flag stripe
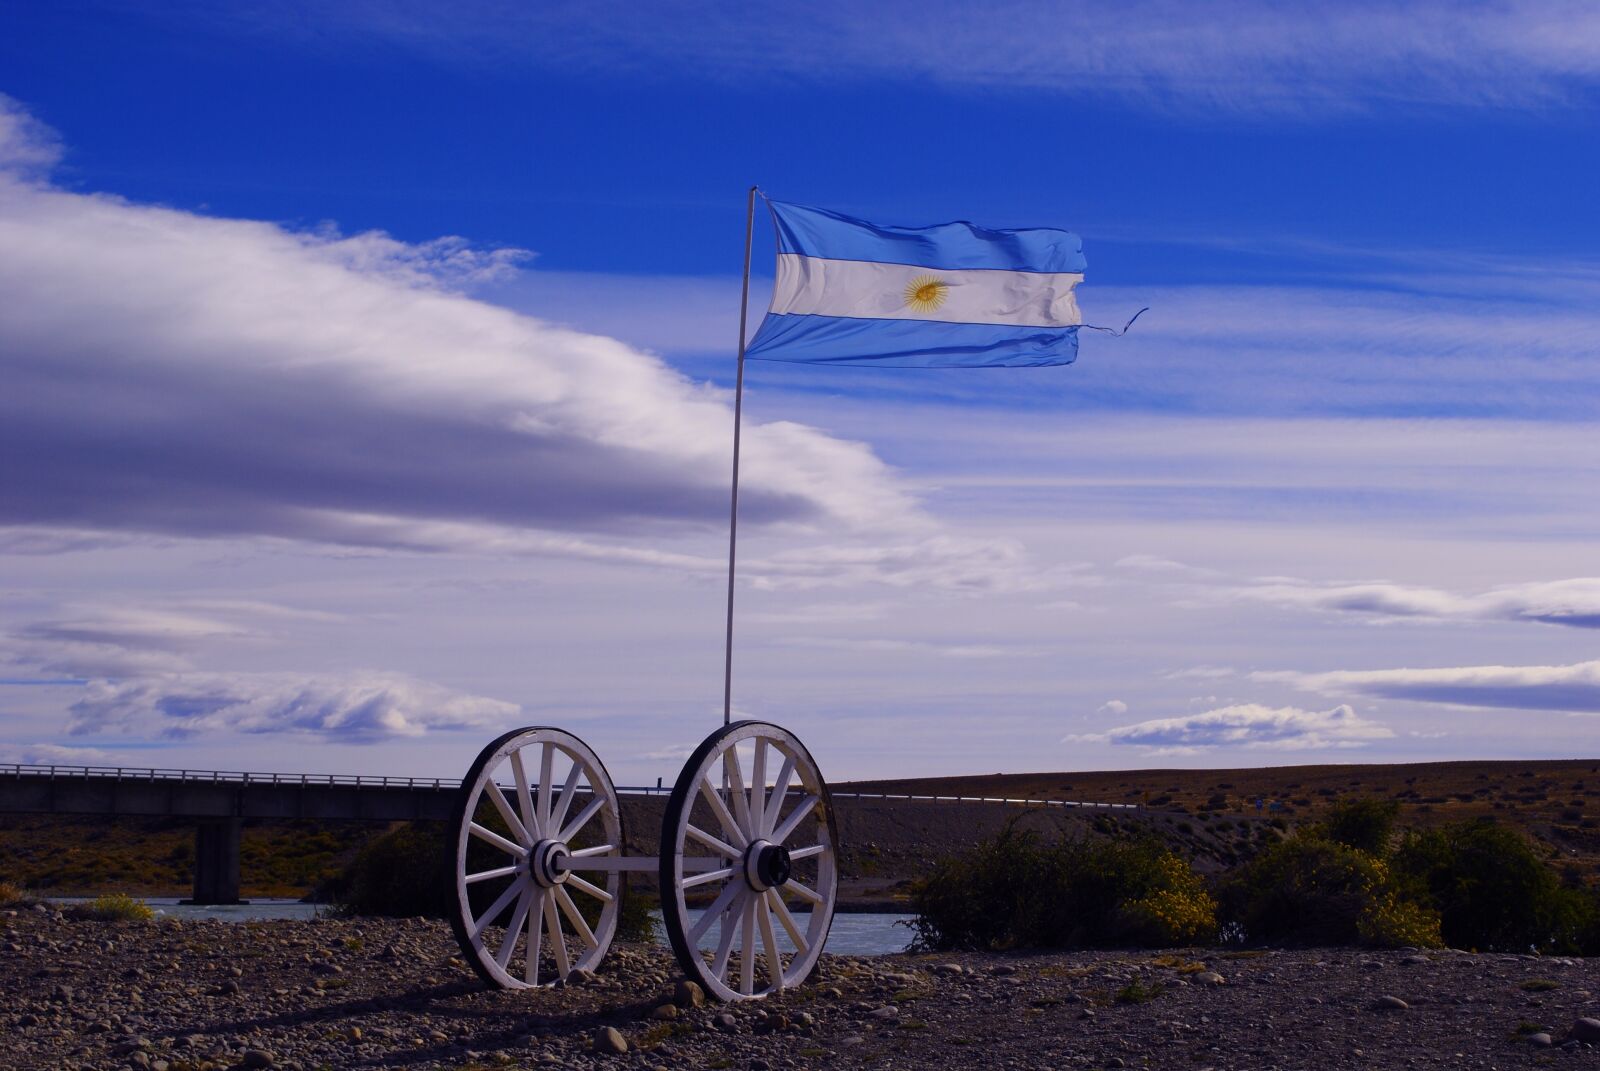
(910, 343)
(816, 232)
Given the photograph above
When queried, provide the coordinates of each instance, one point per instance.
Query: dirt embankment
(197, 996)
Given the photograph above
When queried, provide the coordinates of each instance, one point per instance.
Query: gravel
(156, 995)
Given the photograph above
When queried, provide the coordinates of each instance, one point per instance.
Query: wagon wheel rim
(754, 799)
(536, 834)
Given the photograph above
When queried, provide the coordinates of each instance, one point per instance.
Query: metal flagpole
(733, 509)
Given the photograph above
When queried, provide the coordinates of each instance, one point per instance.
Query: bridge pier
(216, 862)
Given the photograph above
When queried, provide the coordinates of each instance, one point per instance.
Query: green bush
(401, 874)
(1364, 824)
(1014, 891)
(1312, 890)
(113, 907)
(1492, 892)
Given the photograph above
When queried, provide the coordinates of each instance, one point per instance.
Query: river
(851, 934)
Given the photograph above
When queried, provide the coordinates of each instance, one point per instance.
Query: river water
(850, 935)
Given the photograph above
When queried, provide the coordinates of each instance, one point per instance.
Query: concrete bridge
(219, 801)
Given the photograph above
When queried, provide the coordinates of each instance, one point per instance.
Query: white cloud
(1573, 688)
(355, 707)
(1251, 55)
(1247, 725)
(173, 373)
(55, 755)
(1574, 603)
(1113, 707)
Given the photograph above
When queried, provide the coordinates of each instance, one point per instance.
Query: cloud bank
(173, 373)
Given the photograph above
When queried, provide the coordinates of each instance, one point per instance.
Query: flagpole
(738, 412)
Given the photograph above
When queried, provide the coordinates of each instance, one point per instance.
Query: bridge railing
(220, 777)
(243, 777)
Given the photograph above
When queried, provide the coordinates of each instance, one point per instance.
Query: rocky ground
(367, 993)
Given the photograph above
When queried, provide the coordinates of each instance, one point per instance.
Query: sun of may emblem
(926, 293)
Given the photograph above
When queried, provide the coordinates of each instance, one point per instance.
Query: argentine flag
(952, 295)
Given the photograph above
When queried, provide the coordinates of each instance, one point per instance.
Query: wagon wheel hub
(549, 862)
(767, 865)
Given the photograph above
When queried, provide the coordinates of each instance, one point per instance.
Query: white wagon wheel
(536, 819)
(772, 879)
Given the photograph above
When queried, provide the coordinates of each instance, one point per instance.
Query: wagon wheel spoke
(803, 892)
(593, 890)
(781, 909)
(730, 827)
(582, 820)
(769, 943)
(570, 909)
(719, 962)
(503, 805)
(758, 789)
(707, 876)
(545, 762)
(530, 818)
(718, 908)
(484, 833)
(514, 929)
(780, 788)
(741, 803)
(807, 853)
(712, 842)
(530, 969)
(483, 921)
(498, 872)
(558, 940)
(568, 790)
(796, 816)
(747, 946)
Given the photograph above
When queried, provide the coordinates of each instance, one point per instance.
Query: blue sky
(369, 375)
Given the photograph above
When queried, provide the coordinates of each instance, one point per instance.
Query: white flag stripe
(864, 290)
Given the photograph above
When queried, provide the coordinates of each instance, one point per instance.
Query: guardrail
(242, 777)
(219, 777)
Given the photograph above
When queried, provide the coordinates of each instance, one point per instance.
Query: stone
(258, 1058)
(1209, 978)
(1541, 1040)
(579, 977)
(725, 1021)
(687, 994)
(665, 1011)
(608, 1041)
(228, 988)
(140, 1059)
(1416, 961)
(887, 1012)
(353, 1034)
(1585, 1030)
(1389, 1003)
